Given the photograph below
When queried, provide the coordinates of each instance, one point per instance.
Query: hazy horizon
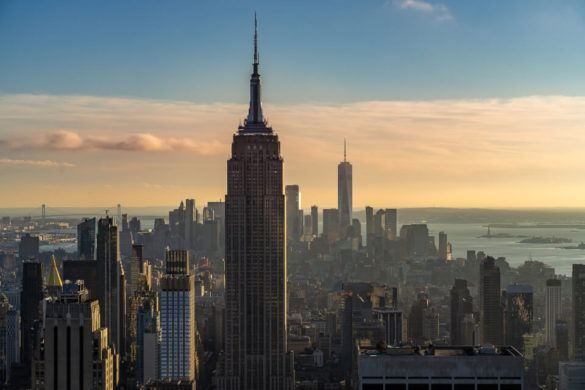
(103, 115)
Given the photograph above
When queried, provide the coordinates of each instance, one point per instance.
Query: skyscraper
(134, 226)
(110, 288)
(579, 311)
(177, 227)
(519, 305)
(423, 321)
(293, 205)
(135, 270)
(369, 225)
(391, 224)
(218, 209)
(255, 355)
(461, 307)
(331, 224)
(28, 248)
(12, 341)
(76, 353)
(552, 310)
(30, 299)
(86, 239)
(124, 238)
(315, 220)
(415, 239)
(490, 303)
(562, 339)
(344, 192)
(443, 250)
(148, 335)
(177, 314)
(307, 225)
(189, 215)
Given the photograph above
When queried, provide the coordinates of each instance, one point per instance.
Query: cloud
(439, 11)
(35, 163)
(63, 140)
(418, 5)
(525, 151)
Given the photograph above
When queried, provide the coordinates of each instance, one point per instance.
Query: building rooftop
(442, 351)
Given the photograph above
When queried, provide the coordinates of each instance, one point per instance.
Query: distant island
(537, 226)
(545, 240)
(500, 235)
(580, 246)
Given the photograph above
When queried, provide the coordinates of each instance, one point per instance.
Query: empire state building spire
(256, 355)
(255, 121)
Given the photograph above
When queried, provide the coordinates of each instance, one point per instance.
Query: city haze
(102, 115)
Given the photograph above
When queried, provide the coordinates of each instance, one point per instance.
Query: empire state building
(255, 356)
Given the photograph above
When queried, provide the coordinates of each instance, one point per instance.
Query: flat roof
(442, 350)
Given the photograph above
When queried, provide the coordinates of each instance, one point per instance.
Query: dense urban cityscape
(259, 291)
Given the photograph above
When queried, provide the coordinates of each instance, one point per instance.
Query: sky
(443, 103)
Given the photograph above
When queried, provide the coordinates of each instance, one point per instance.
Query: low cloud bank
(35, 163)
(64, 140)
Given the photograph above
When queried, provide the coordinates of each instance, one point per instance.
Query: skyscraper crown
(255, 122)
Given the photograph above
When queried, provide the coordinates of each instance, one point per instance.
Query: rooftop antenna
(344, 150)
(256, 57)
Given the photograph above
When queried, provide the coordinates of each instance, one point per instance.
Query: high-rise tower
(293, 206)
(255, 355)
(552, 310)
(490, 307)
(344, 192)
(315, 221)
(86, 239)
(177, 307)
(31, 296)
(579, 311)
(76, 354)
(461, 309)
(111, 282)
(518, 320)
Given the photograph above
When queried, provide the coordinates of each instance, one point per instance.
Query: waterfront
(468, 236)
(464, 236)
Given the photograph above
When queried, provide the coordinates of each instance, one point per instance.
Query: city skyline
(425, 261)
(95, 139)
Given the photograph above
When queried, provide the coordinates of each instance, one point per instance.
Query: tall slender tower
(552, 310)
(255, 355)
(190, 211)
(344, 192)
(293, 206)
(178, 359)
(579, 311)
(461, 308)
(86, 239)
(315, 221)
(490, 306)
(31, 296)
(111, 289)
